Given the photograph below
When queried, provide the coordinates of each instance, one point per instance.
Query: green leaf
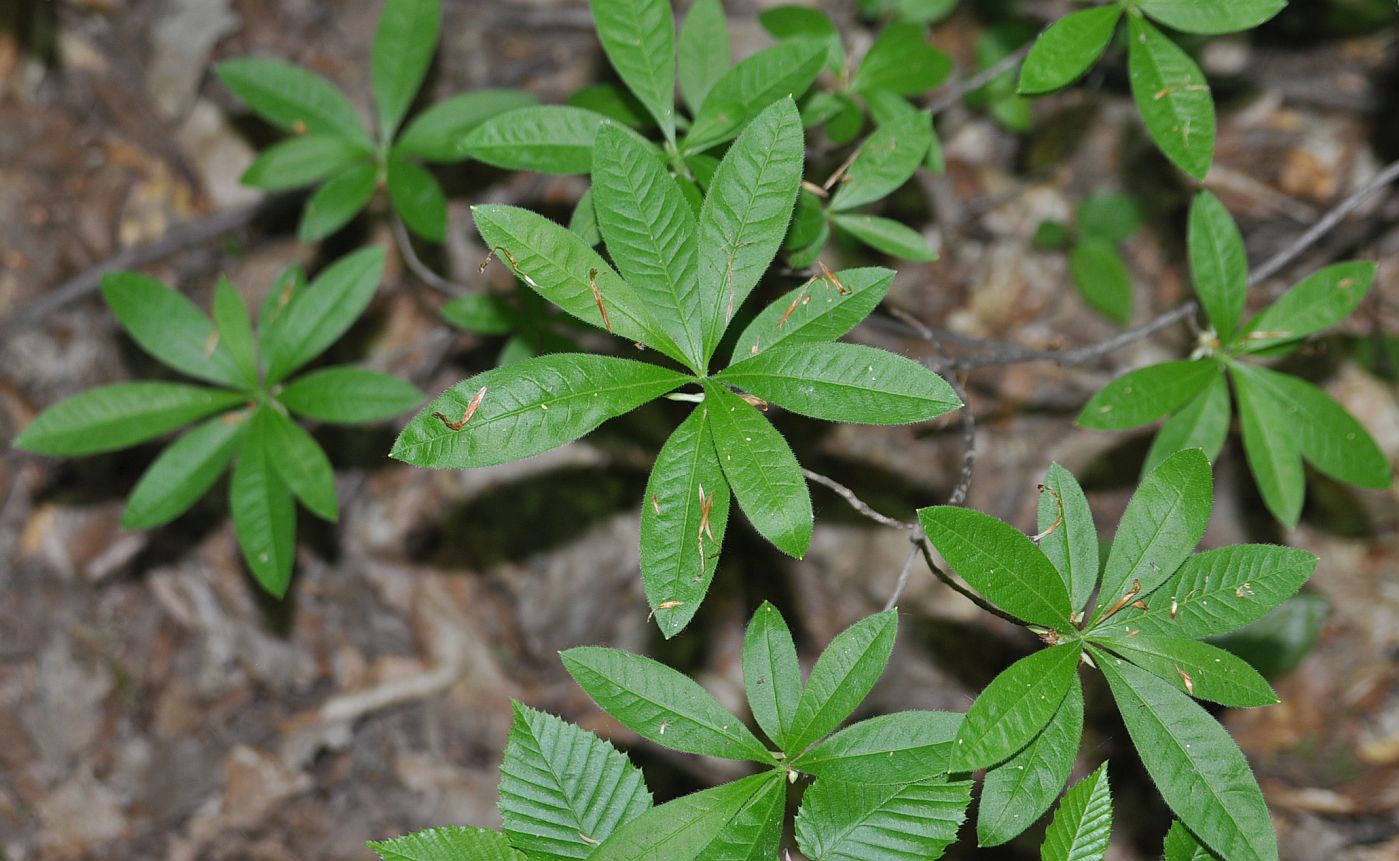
(349, 396)
(791, 21)
(1320, 301)
(403, 47)
(301, 161)
(842, 678)
(650, 233)
(1070, 540)
(661, 704)
(1197, 767)
(564, 790)
(818, 312)
(1018, 791)
(1271, 444)
(1146, 394)
(1164, 521)
(1211, 18)
(886, 235)
(704, 825)
(744, 91)
(301, 463)
(183, 472)
(772, 677)
(1181, 845)
(844, 383)
(683, 518)
(746, 213)
(638, 37)
(841, 821)
(807, 220)
(527, 408)
(169, 327)
(235, 328)
(887, 159)
(1000, 562)
(761, 469)
(1083, 822)
(899, 748)
(320, 314)
(1110, 216)
(1202, 423)
(901, 61)
(264, 512)
(1201, 670)
(1067, 49)
(1218, 263)
(1277, 643)
(1219, 590)
(1015, 707)
(109, 418)
(292, 98)
(418, 199)
(290, 284)
(338, 201)
(703, 52)
(583, 221)
(1101, 277)
(755, 834)
(613, 101)
(452, 843)
(806, 256)
(542, 139)
(482, 314)
(1173, 97)
(438, 133)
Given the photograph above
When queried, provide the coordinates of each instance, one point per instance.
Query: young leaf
(169, 327)
(1173, 97)
(563, 790)
(403, 47)
(886, 235)
(771, 675)
(844, 383)
(339, 200)
(119, 416)
(1271, 444)
(301, 161)
(660, 704)
(349, 396)
(901, 61)
(1018, 791)
(683, 518)
(235, 330)
(1201, 670)
(1015, 707)
(1164, 521)
(898, 748)
(1109, 216)
(183, 472)
(300, 461)
(703, 825)
(264, 513)
(518, 411)
(437, 133)
(817, 312)
(650, 233)
(745, 90)
(452, 843)
(1197, 767)
(1202, 423)
(1067, 49)
(638, 37)
(321, 313)
(1083, 822)
(1146, 394)
(842, 678)
(1000, 562)
(418, 199)
(1194, 16)
(791, 21)
(762, 471)
(1218, 263)
(745, 215)
(887, 159)
(841, 821)
(542, 139)
(292, 98)
(1181, 845)
(1070, 540)
(1320, 301)
(703, 51)
(1101, 276)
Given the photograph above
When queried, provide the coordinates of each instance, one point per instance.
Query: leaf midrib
(822, 709)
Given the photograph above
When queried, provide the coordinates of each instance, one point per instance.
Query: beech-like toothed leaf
(1201, 670)
(819, 311)
(761, 469)
(301, 463)
(887, 159)
(755, 834)
(438, 133)
(1272, 444)
(403, 47)
(1146, 394)
(540, 138)
(1211, 18)
(349, 396)
(521, 410)
(898, 748)
(703, 53)
(1083, 822)
(1181, 845)
(1100, 275)
(452, 843)
(842, 678)
(901, 61)
(418, 199)
(1202, 423)
(235, 328)
(1319, 301)
(264, 511)
(119, 416)
(886, 235)
(841, 821)
(1067, 49)
(638, 37)
(339, 200)
(745, 215)
(1218, 263)
(321, 313)
(1000, 562)
(183, 472)
(563, 790)
(292, 98)
(844, 383)
(705, 826)
(169, 327)
(1018, 791)
(683, 518)
(1015, 707)
(772, 678)
(301, 161)
(1173, 97)
(1068, 537)
(747, 89)
(1198, 769)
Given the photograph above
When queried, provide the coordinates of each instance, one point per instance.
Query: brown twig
(953, 92)
(855, 501)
